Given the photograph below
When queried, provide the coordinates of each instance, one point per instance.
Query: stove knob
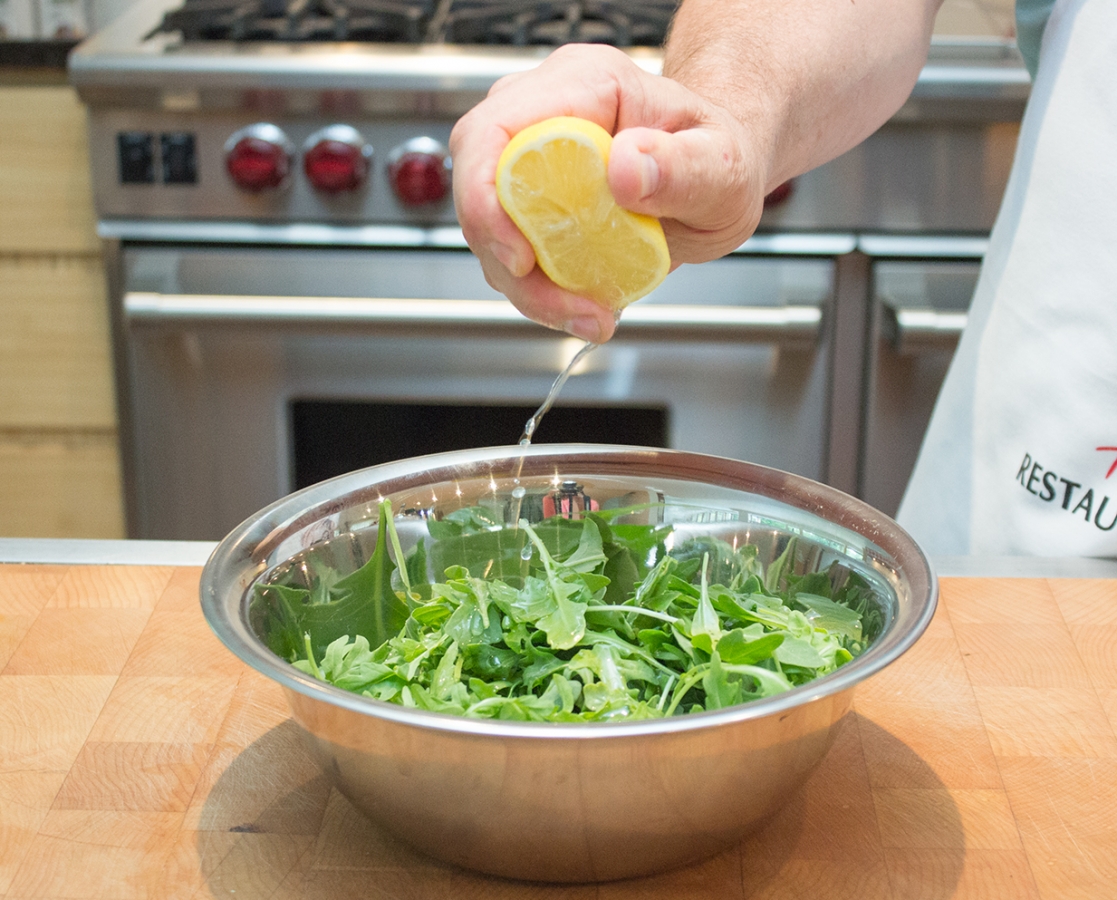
(336, 158)
(779, 194)
(259, 157)
(419, 171)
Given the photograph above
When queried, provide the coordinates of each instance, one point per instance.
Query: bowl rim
(237, 562)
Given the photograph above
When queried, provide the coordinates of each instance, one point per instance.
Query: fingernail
(649, 175)
(505, 255)
(585, 327)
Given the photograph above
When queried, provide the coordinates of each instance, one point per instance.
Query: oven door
(247, 371)
(922, 291)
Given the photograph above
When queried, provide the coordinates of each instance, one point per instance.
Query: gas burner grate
(616, 22)
(622, 23)
(390, 21)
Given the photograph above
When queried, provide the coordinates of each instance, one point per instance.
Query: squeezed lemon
(551, 180)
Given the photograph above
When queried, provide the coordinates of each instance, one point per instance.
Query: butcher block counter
(140, 760)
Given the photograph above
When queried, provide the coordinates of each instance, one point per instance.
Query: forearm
(808, 79)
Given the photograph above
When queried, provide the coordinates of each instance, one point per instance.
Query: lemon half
(551, 180)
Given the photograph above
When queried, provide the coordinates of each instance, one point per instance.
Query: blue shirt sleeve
(1031, 18)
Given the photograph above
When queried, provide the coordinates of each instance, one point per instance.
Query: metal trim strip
(822, 244)
(773, 324)
(922, 246)
(407, 236)
(98, 552)
(305, 233)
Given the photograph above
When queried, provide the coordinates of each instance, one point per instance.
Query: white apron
(1020, 457)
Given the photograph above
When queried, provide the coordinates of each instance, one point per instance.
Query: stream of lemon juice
(519, 491)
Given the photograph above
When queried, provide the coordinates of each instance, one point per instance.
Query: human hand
(674, 156)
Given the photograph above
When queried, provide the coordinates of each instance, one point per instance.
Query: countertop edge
(72, 551)
(1023, 567)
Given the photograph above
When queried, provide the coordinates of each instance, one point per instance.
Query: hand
(675, 156)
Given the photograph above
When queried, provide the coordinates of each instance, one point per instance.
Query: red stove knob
(419, 171)
(336, 159)
(779, 194)
(258, 157)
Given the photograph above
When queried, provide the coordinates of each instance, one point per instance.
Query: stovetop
(452, 49)
(440, 56)
(621, 23)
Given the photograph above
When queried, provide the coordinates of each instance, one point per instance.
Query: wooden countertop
(139, 759)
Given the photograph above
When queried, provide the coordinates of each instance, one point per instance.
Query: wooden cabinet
(59, 466)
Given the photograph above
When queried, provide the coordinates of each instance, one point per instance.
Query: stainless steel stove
(292, 296)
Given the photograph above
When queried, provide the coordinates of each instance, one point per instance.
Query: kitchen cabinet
(59, 466)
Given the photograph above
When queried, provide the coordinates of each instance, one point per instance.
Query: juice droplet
(519, 492)
(525, 552)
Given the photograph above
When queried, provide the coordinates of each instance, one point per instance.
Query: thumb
(697, 177)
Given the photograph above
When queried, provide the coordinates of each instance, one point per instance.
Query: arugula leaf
(565, 624)
(721, 690)
(738, 646)
(705, 623)
(781, 567)
(794, 651)
(469, 520)
(485, 554)
(830, 616)
(362, 603)
(589, 554)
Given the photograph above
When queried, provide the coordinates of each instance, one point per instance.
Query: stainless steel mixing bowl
(572, 803)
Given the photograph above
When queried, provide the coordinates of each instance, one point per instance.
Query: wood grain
(60, 485)
(55, 365)
(140, 760)
(45, 187)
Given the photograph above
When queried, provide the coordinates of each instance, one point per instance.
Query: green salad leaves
(567, 620)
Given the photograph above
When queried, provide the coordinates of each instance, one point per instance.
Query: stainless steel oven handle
(758, 324)
(917, 330)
